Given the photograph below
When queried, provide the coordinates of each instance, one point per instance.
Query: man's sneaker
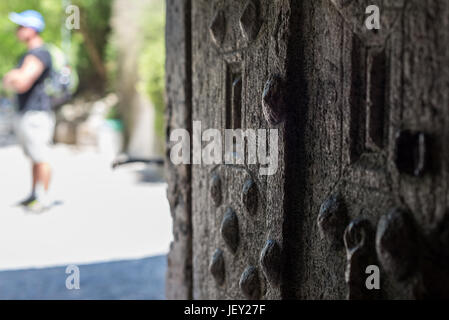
(26, 202)
(37, 206)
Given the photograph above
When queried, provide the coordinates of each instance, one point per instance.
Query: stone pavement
(141, 279)
(104, 216)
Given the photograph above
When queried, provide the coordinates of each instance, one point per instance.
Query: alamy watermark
(373, 280)
(261, 147)
(73, 20)
(72, 281)
(372, 22)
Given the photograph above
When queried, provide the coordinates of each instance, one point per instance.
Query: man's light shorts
(34, 131)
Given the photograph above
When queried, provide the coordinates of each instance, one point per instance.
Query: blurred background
(113, 223)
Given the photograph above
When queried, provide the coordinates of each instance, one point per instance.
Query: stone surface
(217, 103)
(345, 92)
(178, 115)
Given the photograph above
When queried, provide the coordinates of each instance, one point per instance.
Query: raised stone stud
(396, 244)
(230, 230)
(217, 267)
(411, 152)
(332, 220)
(215, 190)
(273, 103)
(250, 196)
(270, 260)
(250, 284)
(218, 28)
(250, 21)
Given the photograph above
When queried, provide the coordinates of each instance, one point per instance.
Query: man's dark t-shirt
(36, 98)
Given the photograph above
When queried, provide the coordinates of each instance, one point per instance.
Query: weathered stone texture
(362, 119)
(178, 115)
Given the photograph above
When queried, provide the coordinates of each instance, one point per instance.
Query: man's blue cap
(30, 19)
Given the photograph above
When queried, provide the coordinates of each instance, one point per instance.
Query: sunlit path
(105, 215)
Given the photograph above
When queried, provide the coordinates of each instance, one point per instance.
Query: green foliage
(113, 114)
(96, 15)
(11, 49)
(95, 12)
(152, 60)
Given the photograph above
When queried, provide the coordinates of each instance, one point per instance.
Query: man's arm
(21, 80)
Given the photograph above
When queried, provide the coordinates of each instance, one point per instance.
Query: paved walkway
(141, 279)
(104, 216)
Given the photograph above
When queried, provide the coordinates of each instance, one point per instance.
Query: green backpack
(63, 80)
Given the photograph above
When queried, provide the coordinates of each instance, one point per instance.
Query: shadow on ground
(132, 279)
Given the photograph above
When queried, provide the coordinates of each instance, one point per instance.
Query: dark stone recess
(412, 152)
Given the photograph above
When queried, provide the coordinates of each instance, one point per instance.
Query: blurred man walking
(35, 120)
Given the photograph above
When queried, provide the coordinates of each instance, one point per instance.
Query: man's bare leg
(41, 176)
